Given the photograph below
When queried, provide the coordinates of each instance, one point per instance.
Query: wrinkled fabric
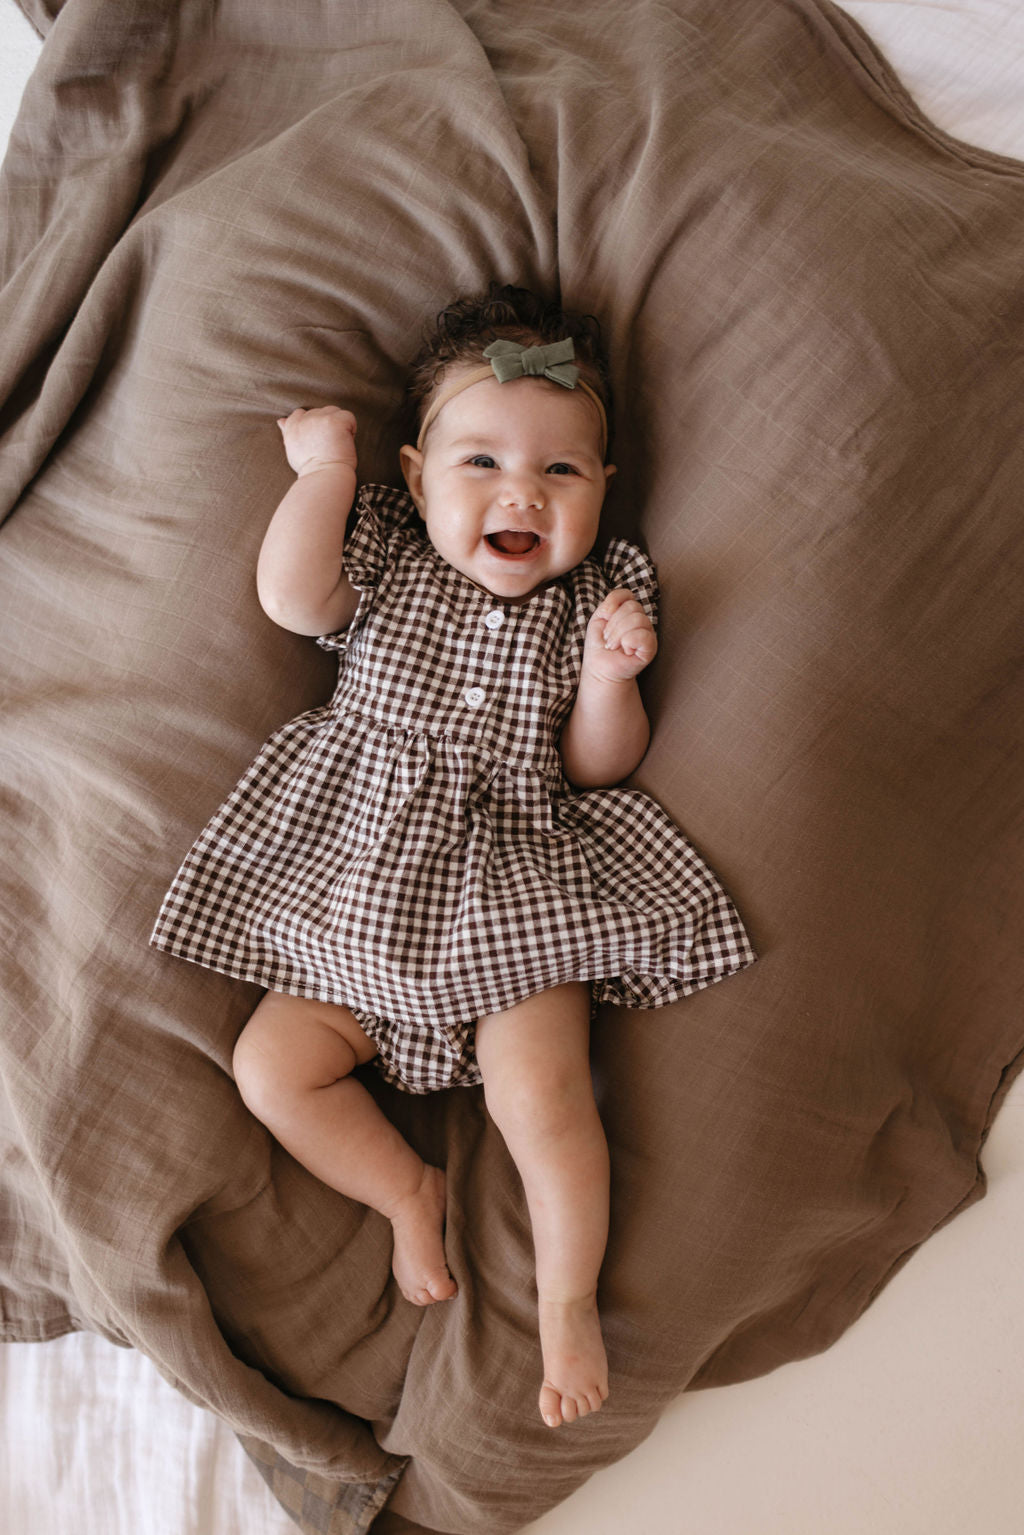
(812, 300)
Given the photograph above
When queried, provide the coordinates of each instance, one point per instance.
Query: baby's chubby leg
(535, 1063)
(293, 1064)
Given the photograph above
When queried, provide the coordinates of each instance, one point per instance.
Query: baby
(432, 871)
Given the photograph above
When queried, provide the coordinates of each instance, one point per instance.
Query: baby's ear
(411, 460)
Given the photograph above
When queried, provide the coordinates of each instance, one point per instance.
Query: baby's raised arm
(300, 578)
(607, 733)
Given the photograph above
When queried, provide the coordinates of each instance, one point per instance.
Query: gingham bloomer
(413, 850)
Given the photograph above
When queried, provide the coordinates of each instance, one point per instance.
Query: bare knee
(535, 1062)
(286, 1051)
(540, 1106)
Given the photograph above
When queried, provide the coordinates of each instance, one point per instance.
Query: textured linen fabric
(814, 306)
(412, 849)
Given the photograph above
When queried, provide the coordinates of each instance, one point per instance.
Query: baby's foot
(575, 1365)
(418, 1222)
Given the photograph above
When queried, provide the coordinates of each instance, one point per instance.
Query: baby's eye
(483, 461)
(561, 469)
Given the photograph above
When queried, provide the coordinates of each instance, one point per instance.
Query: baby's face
(510, 483)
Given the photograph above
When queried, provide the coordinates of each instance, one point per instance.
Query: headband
(509, 360)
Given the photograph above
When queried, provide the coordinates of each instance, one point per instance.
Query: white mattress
(910, 1425)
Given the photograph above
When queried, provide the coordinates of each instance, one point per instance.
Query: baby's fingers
(324, 435)
(638, 642)
(629, 629)
(617, 598)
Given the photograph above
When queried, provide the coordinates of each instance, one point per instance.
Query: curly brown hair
(467, 325)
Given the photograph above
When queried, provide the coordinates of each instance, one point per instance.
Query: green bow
(555, 361)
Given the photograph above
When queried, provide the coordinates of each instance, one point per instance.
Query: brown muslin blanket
(814, 303)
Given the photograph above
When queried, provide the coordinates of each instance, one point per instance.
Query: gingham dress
(412, 848)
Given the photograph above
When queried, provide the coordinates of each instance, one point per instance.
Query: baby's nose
(521, 490)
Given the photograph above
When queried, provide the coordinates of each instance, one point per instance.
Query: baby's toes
(436, 1285)
(557, 1408)
(551, 1406)
(441, 1286)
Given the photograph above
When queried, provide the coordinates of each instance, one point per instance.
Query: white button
(475, 697)
(494, 619)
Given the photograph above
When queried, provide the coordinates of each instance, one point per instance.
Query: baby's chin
(513, 579)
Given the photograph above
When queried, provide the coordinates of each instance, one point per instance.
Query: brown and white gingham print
(413, 850)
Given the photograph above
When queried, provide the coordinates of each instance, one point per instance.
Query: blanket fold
(813, 303)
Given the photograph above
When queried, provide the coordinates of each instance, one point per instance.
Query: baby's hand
(313, 438)
(620, 638)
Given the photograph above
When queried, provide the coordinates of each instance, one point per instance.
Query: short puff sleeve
(626, 565)
(378, 524)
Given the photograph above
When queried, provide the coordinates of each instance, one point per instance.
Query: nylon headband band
(477, 376)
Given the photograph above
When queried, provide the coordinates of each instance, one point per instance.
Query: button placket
(493, 619)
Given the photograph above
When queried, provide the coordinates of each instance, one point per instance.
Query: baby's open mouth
(508, 541)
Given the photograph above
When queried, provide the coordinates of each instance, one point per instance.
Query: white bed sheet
(910, 1425)
(97, 1443)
